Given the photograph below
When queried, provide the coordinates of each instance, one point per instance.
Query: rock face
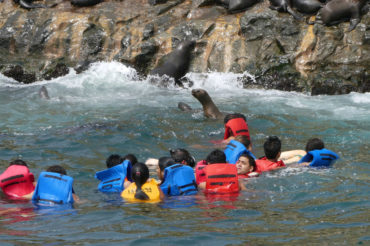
(281, 52)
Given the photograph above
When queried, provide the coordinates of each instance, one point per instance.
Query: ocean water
(110, 109)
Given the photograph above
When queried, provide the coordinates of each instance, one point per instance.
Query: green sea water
(109, 109)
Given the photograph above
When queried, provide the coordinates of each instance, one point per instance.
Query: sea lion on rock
(210, 110)
(283, 6)
(240, 5)
(177, 63)
(85, 3)
(27, 4)
(337, 11)
(307, 6)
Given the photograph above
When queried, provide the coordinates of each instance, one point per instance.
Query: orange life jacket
(17, 181)
(238, 126)
(221, 178)
(264, 165)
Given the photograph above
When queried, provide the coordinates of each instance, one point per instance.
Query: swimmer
(246, 166)
(17, 181)
(163, 163)
(235, 124)
(142, 188)
(272, 148)
(217, 167)
(131, 157)
(61, 170)
(182, 156)
(114, 160)
(317, 155)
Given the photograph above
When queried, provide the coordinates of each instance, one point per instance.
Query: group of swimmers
(222, 172)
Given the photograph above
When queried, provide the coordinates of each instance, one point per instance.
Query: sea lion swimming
(43, 93)
(177, 63)
(210, 110)
(337, 11)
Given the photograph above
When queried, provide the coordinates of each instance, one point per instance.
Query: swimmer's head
(182, 156)
(18, 162)
(245, 164)
(314, 143)
(140, 174)
(131, 157)
(245, 141)
(113, 160)
(216, 156)
(57, 169)
(272, 147)
(163, 163)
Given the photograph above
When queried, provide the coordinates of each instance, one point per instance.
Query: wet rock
(155, 2)
(202, 3)
(16, 72)
(92, 41)
(55, 71)
(147, 51)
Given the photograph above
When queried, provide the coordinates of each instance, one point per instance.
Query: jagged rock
(55, 71)
(16, 72)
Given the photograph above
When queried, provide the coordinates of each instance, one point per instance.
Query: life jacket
(112, 179)
(150, 188)
(264, 165)
(234, 150)
(200, 175)
(53, 188)
(17, 181)
(221, 178)
(238, 126)
(179, 180)
(320, 158)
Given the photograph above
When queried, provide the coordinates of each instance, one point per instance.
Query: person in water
(236, 147)
(182, 156)
(131, 157)
(246, 166)
(272, 149)
(17, 181)
(235, 124)
(163, 163)
(142, 188)
(55, 187)
(317, 155)
(220, 177)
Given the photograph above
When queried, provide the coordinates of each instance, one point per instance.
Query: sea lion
(177, 63)
(240, 5)
(283, 6)
(337, 11)
(27, 4)
(184, 107)
(85, 3)
(210, 110)
(307, 6)
(43, 93)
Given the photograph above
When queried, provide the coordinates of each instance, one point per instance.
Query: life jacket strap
(222, 176)
(12, 177)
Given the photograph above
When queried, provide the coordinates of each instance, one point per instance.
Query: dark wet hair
(244, 140)
(251, 161)
(272, 147)
(234, 116)
(113, 160)
(216, 156)
(180, 155)
(165, 161)
(140, 174)
(131, 157)
(57, 169)
(18, 162)
(314, 143)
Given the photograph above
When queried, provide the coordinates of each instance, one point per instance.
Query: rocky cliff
(281, 52)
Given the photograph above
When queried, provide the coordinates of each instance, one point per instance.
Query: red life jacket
(221, 178)
(200, 175)
(238, 126)
(264, 165)
(17, 181)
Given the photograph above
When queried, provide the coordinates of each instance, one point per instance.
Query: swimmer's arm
(292, 156)
(161, 195)
(28, 196)
(202, 186)
(76, 198)
(241, 185)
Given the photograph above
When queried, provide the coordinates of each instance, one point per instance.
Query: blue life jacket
(320, 158)
(53, 188)
(112, 179)
(179, 180)
(234, 150)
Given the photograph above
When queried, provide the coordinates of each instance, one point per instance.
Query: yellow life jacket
(150, 188)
